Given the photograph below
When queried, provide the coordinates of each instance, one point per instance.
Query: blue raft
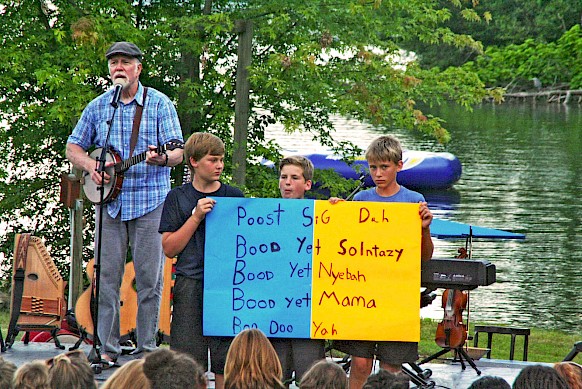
(421, 170)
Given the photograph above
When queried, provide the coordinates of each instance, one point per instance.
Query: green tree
(555, 64)
(514, 21)
(310, 60)
(504, 23)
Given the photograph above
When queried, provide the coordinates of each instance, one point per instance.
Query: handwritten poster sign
(310, 269)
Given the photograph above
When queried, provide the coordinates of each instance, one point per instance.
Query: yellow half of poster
(366, 271)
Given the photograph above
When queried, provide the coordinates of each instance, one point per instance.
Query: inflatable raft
(421, 170)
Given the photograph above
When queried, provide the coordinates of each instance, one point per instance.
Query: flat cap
(123, 48)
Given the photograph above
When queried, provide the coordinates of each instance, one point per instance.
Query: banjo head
(110, 190)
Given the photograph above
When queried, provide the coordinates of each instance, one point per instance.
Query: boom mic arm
(362, 179)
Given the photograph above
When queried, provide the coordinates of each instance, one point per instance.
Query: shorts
(394, 353)
(298, 355)
(186, 329)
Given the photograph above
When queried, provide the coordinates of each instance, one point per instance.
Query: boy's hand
(425, 215)
(335, 200)
(203, 206)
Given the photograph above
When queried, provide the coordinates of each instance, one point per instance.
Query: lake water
(522, 172)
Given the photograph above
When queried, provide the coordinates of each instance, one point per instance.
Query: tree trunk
(244, 29)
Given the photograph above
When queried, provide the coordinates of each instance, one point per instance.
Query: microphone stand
(94, 357)
(362, 179)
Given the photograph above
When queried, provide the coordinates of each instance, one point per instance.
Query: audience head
(71, 370)
(384, 379)
(324, 375)
(169, 369)
(490, 382)
(7, 370)
(571, 372)
(539, 377)
(31, 375)
(129, 376)
(251, 362)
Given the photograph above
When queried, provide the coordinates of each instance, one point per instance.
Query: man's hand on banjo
(153, 158)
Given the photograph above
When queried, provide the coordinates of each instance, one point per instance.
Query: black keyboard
(464, 274)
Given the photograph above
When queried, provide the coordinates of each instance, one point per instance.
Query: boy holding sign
(384, 156)
(295, 178)
(183, 232)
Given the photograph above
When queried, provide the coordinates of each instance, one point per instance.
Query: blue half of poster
(257, 267)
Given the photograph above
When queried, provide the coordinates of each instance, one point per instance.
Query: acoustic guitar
(112, 189)
(127, 301)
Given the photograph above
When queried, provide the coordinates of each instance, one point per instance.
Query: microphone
(116, 94)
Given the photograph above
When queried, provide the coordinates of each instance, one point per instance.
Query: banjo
(112, 189)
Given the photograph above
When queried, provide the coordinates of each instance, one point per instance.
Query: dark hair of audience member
(169, 369)
(571, 372)
(324, 375)
(385, 379)
(31, 375)
(129, 376)
(7, 370)
(539, 377)
(252, 363)
(71, 370)
(490, 382)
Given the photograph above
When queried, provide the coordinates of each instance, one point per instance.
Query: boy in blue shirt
(384, 156)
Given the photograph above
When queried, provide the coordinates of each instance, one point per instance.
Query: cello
(451, 331)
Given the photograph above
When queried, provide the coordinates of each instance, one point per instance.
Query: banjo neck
(123, 166)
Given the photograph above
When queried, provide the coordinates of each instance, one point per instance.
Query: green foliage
(513, 21)
(554, 64)
(499, 23)
(310, 60)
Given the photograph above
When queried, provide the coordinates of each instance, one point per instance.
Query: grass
(544, 345)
